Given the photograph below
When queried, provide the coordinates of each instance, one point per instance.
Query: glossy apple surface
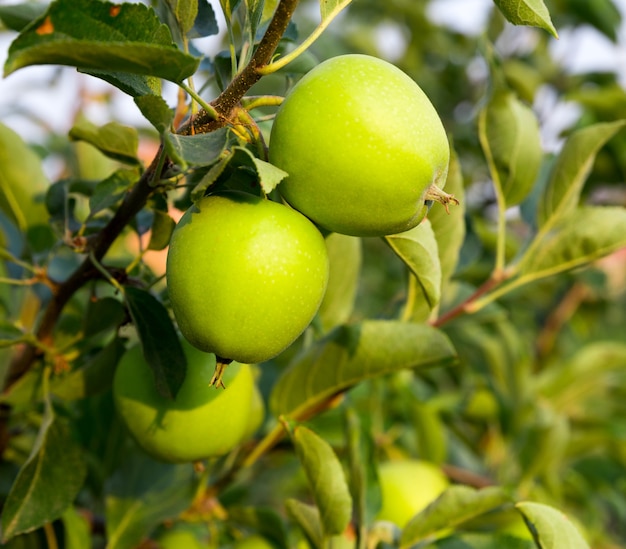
(245, 275)
(408, 486)
(200, 423)
(361, 143)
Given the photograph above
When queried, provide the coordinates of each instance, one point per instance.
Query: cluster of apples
(365, 152)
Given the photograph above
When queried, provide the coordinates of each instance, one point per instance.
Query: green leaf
(527, 12)
(135, 85)
(161, 231)
(449, 228)
(95, 35)
(326, 479)
(509, 135)
(111, 190)
(483, 541)
(23, 184)
(159, 340)
(140, 495)
(344, 256)
(114, 140)
(585, 234)
(553, 529)
(330, 8)
(269, 175)
(156, 111)
(196, 150)
(307, 517)
(572, 167)
(264, 520)
(17, 16)
(417, 247)
(456, 505)
(206, 23)
(95, 377)
(350, 354)
(254, 9)
(47, 483)
(186, 12)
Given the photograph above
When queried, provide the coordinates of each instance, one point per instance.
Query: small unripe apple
(245, 275)
(408, 486)
(199, 423)
(363, 146)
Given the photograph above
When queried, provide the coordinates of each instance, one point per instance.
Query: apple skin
(200, 423)
(408, 486)
(245, 275)
(361, 143)
(253, 542)
(179, 539)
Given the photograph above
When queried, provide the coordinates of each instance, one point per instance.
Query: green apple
(245, 275)
(179, 538)
(253, 542)
(199, 423)
(363, 146)
(407, 487)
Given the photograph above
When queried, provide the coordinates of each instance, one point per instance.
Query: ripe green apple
(199, 423)
(245, 275)
(363, 146)
(179, 538)
(408, 486)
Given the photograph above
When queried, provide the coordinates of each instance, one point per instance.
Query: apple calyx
(436, 194)
(220, 368)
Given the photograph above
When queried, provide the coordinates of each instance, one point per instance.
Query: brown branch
(134, 201)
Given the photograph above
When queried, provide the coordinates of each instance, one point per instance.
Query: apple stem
(220, 368)
(436, 194)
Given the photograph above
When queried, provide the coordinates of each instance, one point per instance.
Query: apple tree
(350, 277)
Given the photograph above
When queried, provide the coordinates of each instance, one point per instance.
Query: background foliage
(490, 341)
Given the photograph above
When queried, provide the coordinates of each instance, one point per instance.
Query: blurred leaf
(307, 517)
(553, 529)
(456, 505)
(228, 7)
(449, 228)
(159, 340)
(344, 256)
(156, 111)
(509, 135)
(584, 234)
(350, 354)
(141, 494)
(95, 377)
(263, 520)
(103, 314)
(111, 190)
(205, 23)
(527, 12)
(195, 150)
(186, 12)
(23, 183)
(602, 14)
(162, 228)
(326, 479)
(330, 8)
(114, 140)
(431, 431)
(562, 193)
(417, 247)
(254, 9)
(17, 16)
(483, 541)
(77, 530)
(48, 481)
(95, 35)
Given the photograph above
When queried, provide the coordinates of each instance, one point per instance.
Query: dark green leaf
(602, 14)
(509, 135)
(135, 85)
(206, 23)
(95, 35)
(583, 235)
(95, 377)
(456, 505)
(527, 12)
(307, 517)
(111, 190)
(141, 494)
(350, 354)
(263, 520)
(269, 175)
(562, 193)
(326, 479)
(553, 529)
(159, 340)
(113, 139)
(47, 483)
(17, 16)
(156, 111)
(196, 150)
(344, 256)
(23, 184)
(483, 541)
(162, 228)
(417, 247)
(102, 315)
